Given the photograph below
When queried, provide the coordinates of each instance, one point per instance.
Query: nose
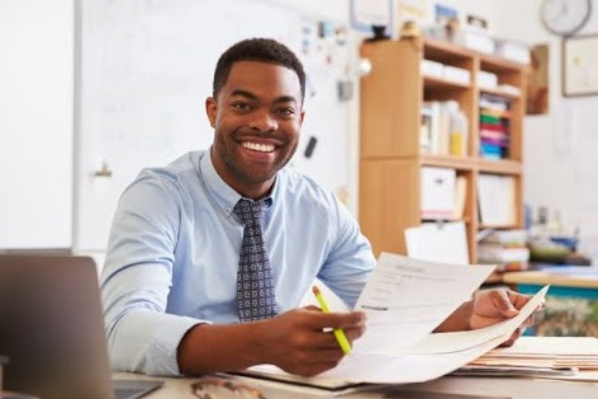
(263, 121)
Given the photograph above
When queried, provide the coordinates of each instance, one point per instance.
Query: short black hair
(260, 50)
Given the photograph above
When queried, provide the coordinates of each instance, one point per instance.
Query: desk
(568, 281)
(513, 388)
(571, 302)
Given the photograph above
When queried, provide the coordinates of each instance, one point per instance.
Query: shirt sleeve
(137, 278)
(350, 260)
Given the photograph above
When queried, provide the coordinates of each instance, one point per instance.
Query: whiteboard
(36, 117)
(145, 68)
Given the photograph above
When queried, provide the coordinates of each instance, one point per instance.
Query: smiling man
(210, 256)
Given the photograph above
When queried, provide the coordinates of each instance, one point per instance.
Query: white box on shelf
(431, 68)
(455, 74)
(476, 41)
(487, 80)
(437, 193)
(513, 51)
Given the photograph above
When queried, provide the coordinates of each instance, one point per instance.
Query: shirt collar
(224, 195)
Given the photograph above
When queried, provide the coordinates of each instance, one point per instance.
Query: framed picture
(580, 66)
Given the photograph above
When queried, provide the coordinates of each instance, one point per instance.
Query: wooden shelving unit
(390, 156)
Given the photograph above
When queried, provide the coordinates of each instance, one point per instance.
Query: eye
(286, 112)
(241, 107)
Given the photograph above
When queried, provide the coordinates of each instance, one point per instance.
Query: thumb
(503, 303)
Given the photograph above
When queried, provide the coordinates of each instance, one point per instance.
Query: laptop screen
(52, 328)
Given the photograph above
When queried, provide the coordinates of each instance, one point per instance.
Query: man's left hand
(492, 307)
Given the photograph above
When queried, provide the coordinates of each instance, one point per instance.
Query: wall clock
(565, 17)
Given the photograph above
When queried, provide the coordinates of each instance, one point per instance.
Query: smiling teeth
(258, 147)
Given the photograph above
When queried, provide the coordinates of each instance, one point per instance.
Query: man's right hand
(301, 341)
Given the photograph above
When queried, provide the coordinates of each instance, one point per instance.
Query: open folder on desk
(405, 300)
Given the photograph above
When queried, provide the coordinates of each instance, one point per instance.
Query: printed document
(405, 299)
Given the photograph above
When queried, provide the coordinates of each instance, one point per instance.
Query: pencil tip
(315, 289)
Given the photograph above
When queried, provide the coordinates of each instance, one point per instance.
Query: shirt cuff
(147, 342)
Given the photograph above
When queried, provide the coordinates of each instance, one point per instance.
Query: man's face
(256, 119)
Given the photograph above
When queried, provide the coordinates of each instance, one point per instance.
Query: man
(228, 235)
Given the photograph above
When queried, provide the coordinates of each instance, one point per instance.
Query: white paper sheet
(397, 285)
(462, 340)
(395, 368)
(405, 299)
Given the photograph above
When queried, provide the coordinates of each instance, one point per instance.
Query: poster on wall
(412, 10)
(368, 13)
(580, 66)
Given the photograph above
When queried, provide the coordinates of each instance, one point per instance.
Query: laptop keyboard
(130, 389)
(128, 393)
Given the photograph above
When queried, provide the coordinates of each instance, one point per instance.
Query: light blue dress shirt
(174, 248)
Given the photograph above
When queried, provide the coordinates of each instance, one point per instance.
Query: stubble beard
(252, 174)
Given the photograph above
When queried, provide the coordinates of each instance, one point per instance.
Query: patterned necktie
(255, 285)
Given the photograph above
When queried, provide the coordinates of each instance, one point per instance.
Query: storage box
(513, 51)
(457, 75)
(437, 193)
(487, 80)
(431, 68)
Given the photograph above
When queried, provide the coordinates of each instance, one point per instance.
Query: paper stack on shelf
(539, 357)
(507, 249)
(487, 80)
(513, 51)
(431, 68)
(494, 127)
(496, 197)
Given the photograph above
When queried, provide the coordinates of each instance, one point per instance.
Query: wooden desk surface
(588, 279)
(512, 388)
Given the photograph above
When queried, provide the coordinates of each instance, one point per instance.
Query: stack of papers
(539, 356)
(405, 300)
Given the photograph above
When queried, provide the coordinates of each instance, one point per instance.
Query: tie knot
(250, 211)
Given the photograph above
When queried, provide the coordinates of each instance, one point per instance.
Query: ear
(301, 117)
(211, 110)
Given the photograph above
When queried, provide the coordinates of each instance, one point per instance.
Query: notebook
(52, 330)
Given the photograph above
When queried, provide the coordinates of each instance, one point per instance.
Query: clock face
(565, 17)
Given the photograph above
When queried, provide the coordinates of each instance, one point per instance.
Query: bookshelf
(396, 97)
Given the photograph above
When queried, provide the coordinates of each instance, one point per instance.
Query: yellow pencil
(338, 333)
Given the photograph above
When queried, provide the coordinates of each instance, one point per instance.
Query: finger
(514, 337)
(316, 368)
(316, 340)
(325, 355)
(321, 320)
(530, 321)
(354, 333)
(518, 300)
(312, 308)
(501, 301)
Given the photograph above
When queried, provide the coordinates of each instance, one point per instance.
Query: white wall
(36, 108)
(36, 61)
(551, 148)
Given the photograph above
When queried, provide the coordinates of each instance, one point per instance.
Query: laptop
(52, 330)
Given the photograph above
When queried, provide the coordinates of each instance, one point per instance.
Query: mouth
(258, 147)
